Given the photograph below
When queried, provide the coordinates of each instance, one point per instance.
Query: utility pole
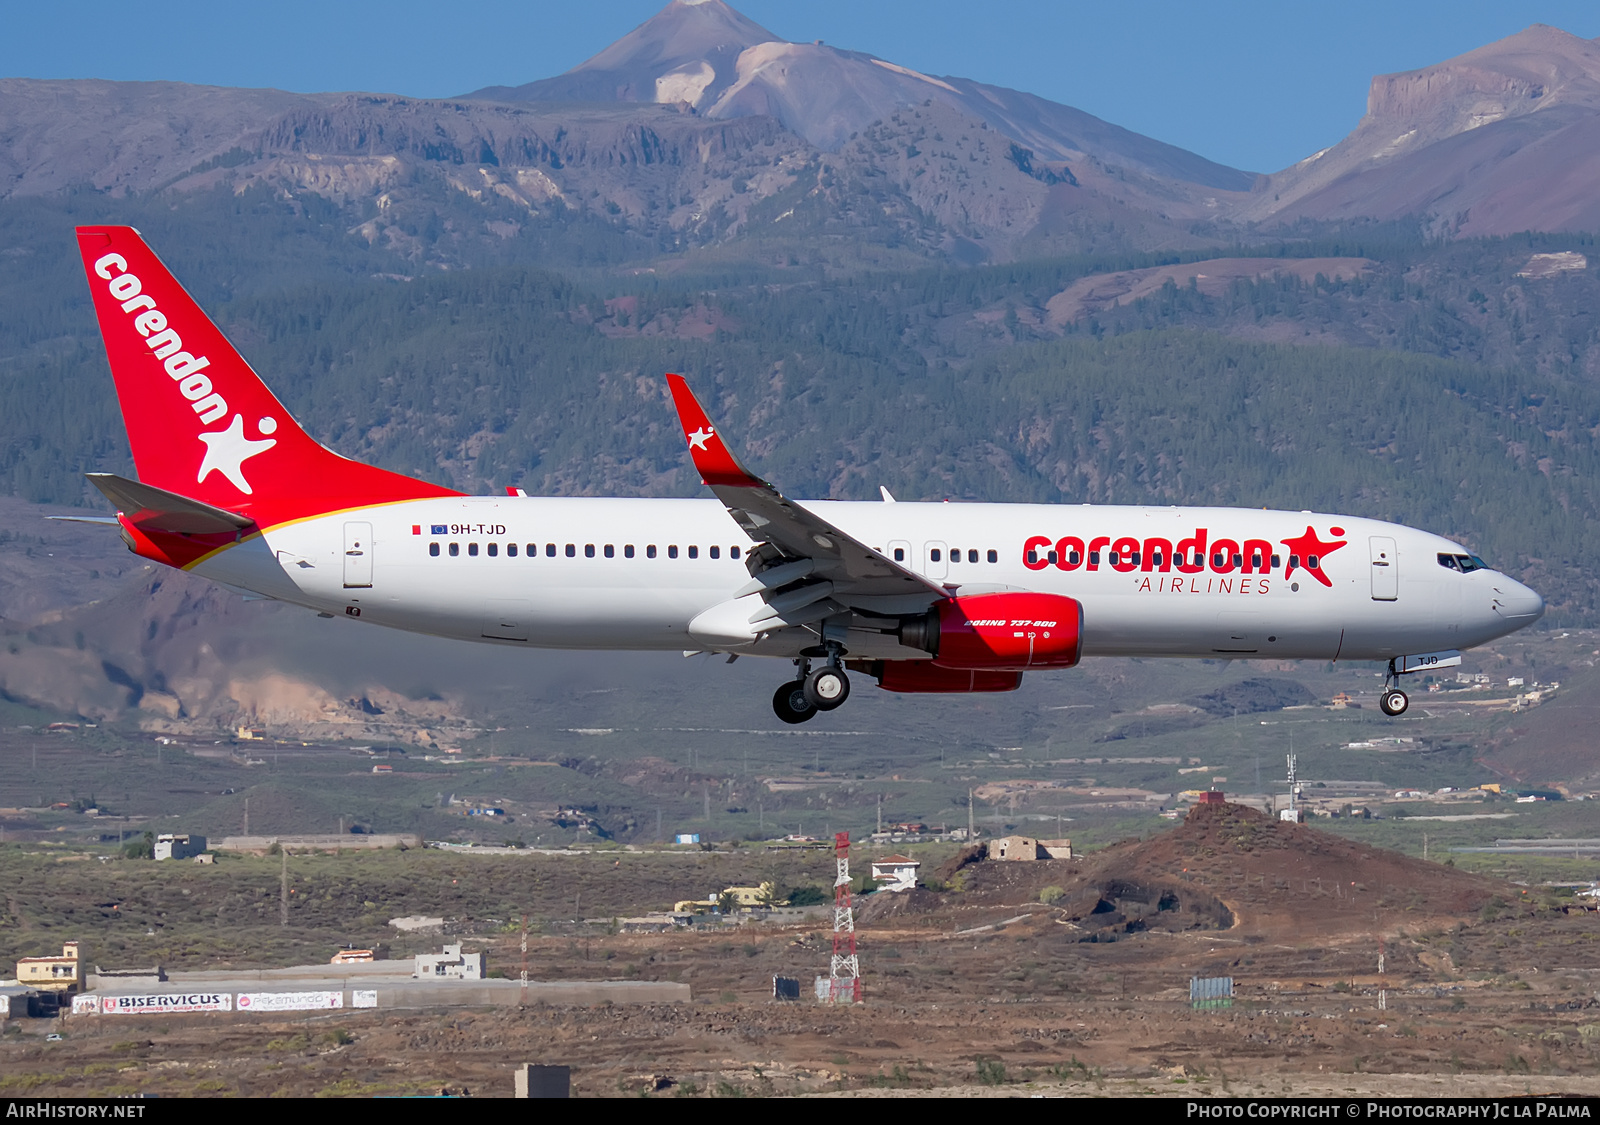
(523, 1001)
(880, 813)
(283, 888)
(970, 827)
(247, 816)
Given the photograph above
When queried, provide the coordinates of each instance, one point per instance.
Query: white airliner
(921, 597)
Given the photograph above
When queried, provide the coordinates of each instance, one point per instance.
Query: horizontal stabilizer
(155, 509)
(103, 521)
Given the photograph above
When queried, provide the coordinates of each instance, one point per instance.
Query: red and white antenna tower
(844, 972)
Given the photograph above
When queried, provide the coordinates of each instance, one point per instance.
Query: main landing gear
(1393, 701)
(811, 691)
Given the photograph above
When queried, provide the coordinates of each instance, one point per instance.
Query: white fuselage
(634, 573)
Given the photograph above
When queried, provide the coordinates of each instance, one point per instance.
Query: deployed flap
(155, 509)
(852, 568)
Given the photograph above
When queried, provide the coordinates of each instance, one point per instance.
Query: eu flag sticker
(441, 529)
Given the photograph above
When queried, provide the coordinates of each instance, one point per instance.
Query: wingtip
(713, 460)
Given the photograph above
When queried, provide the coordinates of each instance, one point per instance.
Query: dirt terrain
(1013, 978)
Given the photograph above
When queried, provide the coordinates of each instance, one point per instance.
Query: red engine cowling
(1008, 630)
(926, 676)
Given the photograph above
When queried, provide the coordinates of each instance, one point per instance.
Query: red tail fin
(200, 421)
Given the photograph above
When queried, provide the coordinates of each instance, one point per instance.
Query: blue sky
(1250, 83)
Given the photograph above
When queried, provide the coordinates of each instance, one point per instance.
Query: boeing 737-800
(921, 597)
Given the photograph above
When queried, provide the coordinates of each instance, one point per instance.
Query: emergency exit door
(357, 555)
(1385, 569)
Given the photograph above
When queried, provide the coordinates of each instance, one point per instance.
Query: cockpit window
(1466, 564)
(1449, 562)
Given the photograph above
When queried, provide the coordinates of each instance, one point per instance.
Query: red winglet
(712, 460)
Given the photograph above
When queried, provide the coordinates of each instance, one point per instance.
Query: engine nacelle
(1012, 630)
(926, 676)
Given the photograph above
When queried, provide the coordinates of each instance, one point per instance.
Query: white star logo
(227, 450)
(698, 439)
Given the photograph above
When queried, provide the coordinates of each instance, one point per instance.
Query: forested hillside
(1437, 388)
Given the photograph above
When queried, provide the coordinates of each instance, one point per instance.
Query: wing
(835, 570)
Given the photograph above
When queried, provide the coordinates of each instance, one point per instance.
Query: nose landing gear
(810, 691)
(1393, 701)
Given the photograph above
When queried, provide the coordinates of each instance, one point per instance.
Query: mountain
(1501, 139)
(708, 56)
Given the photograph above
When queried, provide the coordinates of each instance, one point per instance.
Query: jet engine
(1010, 631)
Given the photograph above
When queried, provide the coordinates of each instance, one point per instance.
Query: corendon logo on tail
(227, 449)
(1253, 560)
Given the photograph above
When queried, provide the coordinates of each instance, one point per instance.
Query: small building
(1212, 797)
(897, 873)
(1026, 847)
(1055, 849)
(350, 957)
(452, 964)
(51, 974)
(686, 838)
(173, 846)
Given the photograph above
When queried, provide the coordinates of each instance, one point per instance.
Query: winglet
(712, 459)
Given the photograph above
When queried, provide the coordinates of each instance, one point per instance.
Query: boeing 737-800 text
(921, 597)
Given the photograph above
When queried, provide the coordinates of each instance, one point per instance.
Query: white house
(896, 872)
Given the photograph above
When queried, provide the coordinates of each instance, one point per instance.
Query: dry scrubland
(980, 988)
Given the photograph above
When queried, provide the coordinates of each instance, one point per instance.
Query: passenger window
(1033, 556)
(549, 550)
(494, 550)
(994, 556)
(433, 549)
(1074, 558)
(627, 551)
(1255, 562)
(716, 552)
(588, 550)
(650, 551)
(1294, 561)
(1277, 560)
(1155, 559)
(900, 555)
(733, 552)
(572, 551)
(1311, 562)
(1133, 557)
(955, 554)
(1094, 557)
(1111, 557)
(472, 549)
(933, 555)
(1051, 557)
(611, 551)
(672, 550)
(1237, 559)
(511, 550)
(533, 550)
(694, 552)
(455, 549)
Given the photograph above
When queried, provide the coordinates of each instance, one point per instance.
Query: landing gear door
(357, 555)
(935, 563)
(1385, 569)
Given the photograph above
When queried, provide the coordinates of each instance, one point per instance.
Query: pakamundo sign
(167, 1002)
(289, 1001)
